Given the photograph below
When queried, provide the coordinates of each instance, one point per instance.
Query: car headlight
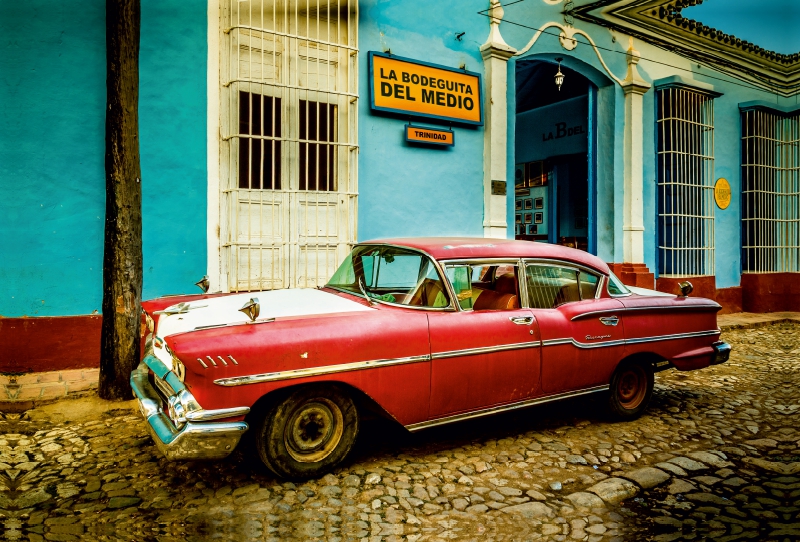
(175, 411)
(179, 405)
(178, 368)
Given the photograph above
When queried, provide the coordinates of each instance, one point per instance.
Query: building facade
(627, 128)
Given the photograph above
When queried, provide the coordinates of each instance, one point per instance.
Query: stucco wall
(52, 122)
(408, 190)
(172, 119)
(52, 192)
(656, 63)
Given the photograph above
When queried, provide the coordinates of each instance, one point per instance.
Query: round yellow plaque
(722, 193)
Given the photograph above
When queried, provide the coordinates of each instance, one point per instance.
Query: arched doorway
(555, 149)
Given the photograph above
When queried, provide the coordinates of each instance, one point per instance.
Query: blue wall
(52, 180)
(655, 64)
(172, 124)
(406, 190)
(52, 188)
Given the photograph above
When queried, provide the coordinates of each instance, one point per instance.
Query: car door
(486, 353)
(582, 331)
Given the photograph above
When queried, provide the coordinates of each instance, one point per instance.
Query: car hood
(220, 311)
(644, 292)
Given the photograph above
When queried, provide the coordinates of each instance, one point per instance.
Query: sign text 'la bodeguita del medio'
(409, 87)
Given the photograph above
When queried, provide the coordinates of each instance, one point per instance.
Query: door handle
(609, 320)
(522, 320)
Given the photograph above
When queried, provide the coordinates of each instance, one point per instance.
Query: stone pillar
(496, 53)
(633, 270)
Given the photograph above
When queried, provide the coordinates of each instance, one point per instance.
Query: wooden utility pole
(122, 257)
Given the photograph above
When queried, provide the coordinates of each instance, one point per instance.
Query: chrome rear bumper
(193, 440)
(722, 351)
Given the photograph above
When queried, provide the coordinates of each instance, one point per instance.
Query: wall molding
(569, 43)
(677, 81)
(661, 23)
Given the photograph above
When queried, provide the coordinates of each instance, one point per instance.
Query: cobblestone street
(716, 456)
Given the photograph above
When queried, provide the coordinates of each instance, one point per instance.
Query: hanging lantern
(559, 75)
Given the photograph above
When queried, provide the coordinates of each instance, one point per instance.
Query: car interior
(551, 286)
(485, 287)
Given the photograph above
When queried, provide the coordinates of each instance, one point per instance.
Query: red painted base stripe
(42, 344)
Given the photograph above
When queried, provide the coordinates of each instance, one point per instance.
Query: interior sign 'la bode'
(410, 87)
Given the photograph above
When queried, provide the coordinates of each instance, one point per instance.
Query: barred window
(289, 117)
(685, 126)
(317, 154)
(260, 141)
(770, 192)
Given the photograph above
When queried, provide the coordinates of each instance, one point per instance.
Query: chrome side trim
(485, 350)
(573, 342)
(674, 336)
(361, 365)
(648, 308)
(222, 413)
(502, 408)
(317, 371)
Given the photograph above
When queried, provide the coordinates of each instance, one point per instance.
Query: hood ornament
(686, 288)
(203, 284)
(251, 309)
(180, 308)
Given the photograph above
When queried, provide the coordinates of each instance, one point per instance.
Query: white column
(496, 53)
(634, 88)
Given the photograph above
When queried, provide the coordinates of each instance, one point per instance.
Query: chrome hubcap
(632, 387)
(314, 430)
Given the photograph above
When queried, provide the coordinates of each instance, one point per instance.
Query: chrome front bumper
(722, 351)
(193, 439)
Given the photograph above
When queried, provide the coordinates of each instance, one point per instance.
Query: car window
(615, 286)
(551, 286)
(480, 287)
(588, 285)
(391, 274)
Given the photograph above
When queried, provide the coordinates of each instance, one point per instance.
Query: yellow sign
(722, 193)
(414, 134)
(410, 87)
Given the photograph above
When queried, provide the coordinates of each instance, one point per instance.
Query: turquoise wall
(172, 123)
(52, 122)
(407, 190)
(52, 192)
(52, 96)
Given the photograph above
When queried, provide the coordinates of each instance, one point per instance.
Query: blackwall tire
(308, 433)
(630, 390)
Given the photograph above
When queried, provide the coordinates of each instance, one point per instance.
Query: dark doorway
(554, 141)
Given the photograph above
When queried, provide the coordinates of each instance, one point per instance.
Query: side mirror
(251, 309)
(203, 284)
(686, 288)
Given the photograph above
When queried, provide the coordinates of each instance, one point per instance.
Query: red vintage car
(427, 331)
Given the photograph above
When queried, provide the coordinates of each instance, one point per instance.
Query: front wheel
(630, 390)
(308, 433)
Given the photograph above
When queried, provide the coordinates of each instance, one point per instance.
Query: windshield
(391, 274)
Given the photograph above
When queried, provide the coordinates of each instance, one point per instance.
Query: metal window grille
(770, 192)
(685, 125)
(289, 90)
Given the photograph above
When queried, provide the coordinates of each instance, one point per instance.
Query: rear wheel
(631, 389)
(308, 433)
